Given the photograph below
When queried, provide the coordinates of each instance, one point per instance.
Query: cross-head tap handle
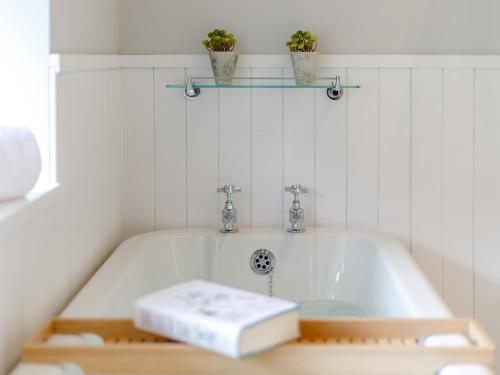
(296, 190)
(228, 190)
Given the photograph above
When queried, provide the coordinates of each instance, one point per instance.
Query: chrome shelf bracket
(335, 92)
(191, 92)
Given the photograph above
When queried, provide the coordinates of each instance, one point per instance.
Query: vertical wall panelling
(202, 155)
(487, 200)
(426, 178)
(88, 126)
(413, 153)
(59, 248)
(67, 110)
(85, 93)
(112, 147)
(117, 161)
(330, 154)
(458, 171)
(235, 146)
(363, 152)
(3, 313)
(170, 150)
(299, 142)
(267, 151)
(138, 117)
(394, 155)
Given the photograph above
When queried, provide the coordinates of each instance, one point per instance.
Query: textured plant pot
(223, 66)
(304, 67)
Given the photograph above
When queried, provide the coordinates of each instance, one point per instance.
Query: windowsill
(15, 213)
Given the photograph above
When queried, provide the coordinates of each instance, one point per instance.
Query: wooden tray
(328, 346)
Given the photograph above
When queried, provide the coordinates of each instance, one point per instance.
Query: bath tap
(229, 213)
(296, 213)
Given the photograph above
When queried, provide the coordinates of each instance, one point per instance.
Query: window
(24, 74)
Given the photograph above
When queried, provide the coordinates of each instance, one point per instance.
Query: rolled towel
(20, 162)
(446, 340)
(47, 369)
(87, 339)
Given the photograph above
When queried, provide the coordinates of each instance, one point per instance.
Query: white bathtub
(372, 272)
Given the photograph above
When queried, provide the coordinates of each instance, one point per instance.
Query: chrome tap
(296, 213)
(229, 213)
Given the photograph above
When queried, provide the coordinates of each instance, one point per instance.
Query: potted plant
(220, 45)
(302, 46)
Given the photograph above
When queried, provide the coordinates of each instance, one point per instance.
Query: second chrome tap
(229, 213)
(296, 213)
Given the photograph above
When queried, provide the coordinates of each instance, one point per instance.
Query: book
(218, 318)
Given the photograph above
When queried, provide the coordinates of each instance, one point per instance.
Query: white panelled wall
(48, 256)
(414, 153)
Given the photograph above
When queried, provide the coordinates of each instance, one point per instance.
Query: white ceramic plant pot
(223, 66)
(304, 67)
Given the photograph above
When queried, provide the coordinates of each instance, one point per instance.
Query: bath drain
(262, 261)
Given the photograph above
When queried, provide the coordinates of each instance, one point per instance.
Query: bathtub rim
(393, 253)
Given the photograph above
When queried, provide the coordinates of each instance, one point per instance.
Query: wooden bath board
(328, 346)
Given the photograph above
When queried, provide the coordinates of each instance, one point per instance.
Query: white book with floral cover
(219, 318)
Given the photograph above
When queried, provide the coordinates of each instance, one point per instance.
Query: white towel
(90, 339)
(47, 369)
(20, 162)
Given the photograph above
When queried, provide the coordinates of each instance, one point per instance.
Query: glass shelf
(238, 86)
(193, 85)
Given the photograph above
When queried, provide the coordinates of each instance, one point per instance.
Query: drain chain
(270, 283)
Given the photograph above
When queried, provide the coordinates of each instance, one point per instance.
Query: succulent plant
(302, 41)
(219, 40)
